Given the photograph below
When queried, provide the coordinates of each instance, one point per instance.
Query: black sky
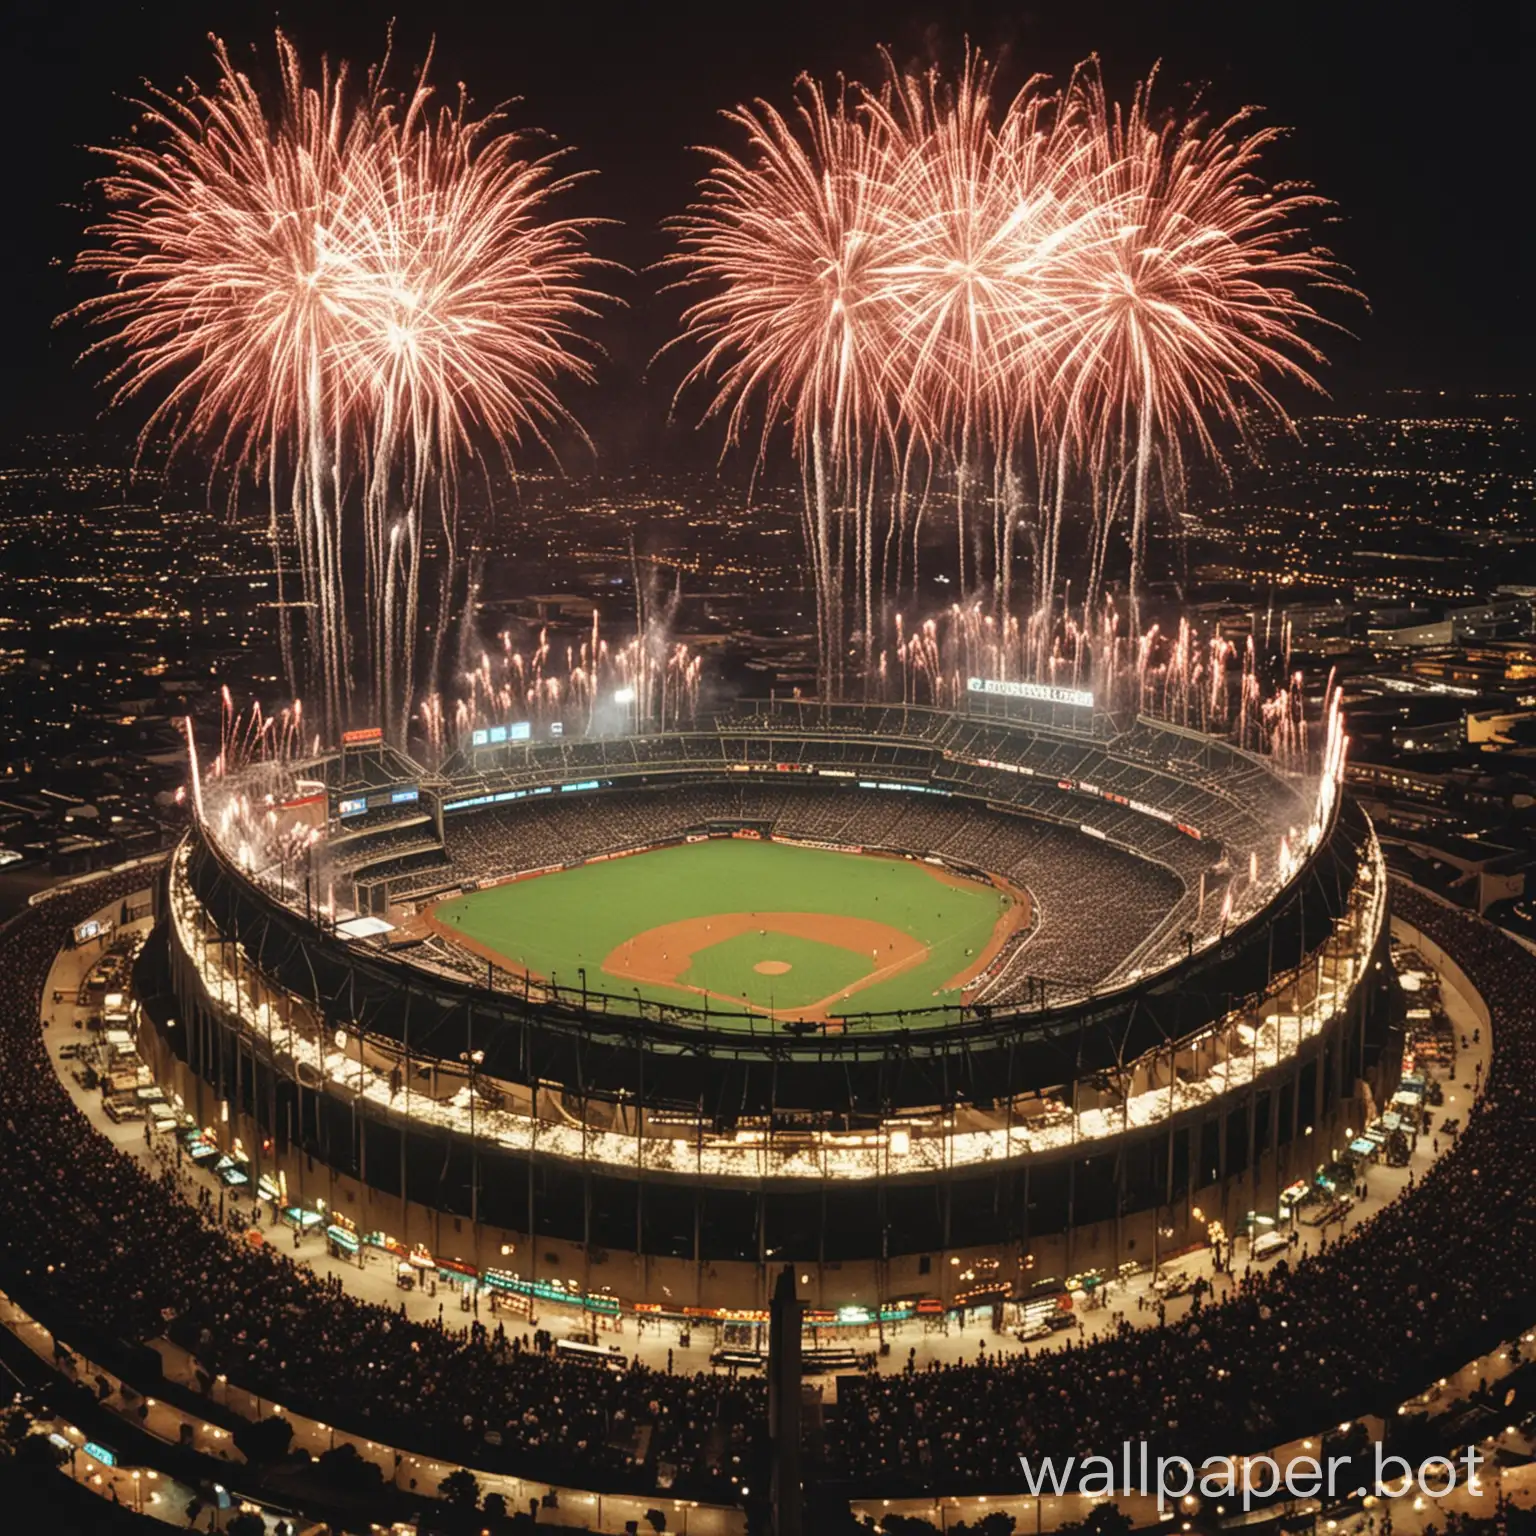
(1416, 120)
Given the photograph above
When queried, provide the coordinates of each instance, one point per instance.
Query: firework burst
(1182, 299)
(795, 326)
(1045, 299)
(342, 291)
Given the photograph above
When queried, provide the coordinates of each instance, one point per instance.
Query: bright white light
(624, 696)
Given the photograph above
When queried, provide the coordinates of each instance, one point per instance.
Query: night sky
(1419, 131)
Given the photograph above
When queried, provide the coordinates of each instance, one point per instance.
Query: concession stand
(342, 1240)
(382, 1242)
(457, 1271)
(413, 1270)
(201, 1147)
(1040, 1310)
(1292, 1196)
(501, 1283)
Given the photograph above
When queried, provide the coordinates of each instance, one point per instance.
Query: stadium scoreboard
(500, 735)
(376, 799)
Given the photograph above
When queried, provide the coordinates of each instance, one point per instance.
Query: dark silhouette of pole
(784, 1374)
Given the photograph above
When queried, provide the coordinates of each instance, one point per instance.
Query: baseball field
(746, 924)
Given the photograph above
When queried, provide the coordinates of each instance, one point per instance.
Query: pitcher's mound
(771, 967)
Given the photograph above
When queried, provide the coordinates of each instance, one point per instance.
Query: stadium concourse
(95, 1241)
(665, 1344)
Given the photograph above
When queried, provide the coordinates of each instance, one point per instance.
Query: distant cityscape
(1391, 546)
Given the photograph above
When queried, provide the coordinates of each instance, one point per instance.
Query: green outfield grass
(555, 925)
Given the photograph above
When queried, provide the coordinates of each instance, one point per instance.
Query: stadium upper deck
(1181, 873)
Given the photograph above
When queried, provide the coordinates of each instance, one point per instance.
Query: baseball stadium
(917, 999)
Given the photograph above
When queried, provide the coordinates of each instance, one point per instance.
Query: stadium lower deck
(1137, 842)
(1076, 937)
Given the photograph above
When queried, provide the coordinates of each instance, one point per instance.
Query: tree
(656, 1520)
(265, 1441)
(907, 1525)
(461, 1488)
(40, 1453)
(246, 1523)
(1103, 1520)
(343, 1467)
(494, 1506)
(996, 1522)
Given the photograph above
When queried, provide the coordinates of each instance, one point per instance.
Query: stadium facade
(1199, 1015)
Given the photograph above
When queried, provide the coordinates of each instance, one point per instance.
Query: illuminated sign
(912, 789)
(404, 796)
(351, 807)
(500, 735)
(546, 1290)
(93, 928)
(363, 738)
(1045, 693)
(100, 1453)
(501, 797)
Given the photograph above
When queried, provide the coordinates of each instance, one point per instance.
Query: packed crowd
(1230, 795)
(1439, 1275)
(383, 843)
(93, 1237)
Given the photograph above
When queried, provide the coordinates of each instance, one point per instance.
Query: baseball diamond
(780, 928)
